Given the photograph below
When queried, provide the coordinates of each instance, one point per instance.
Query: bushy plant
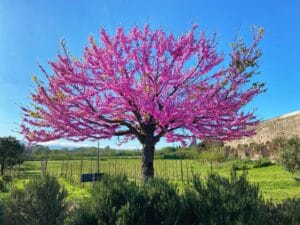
(7, 178)
(162, 202)
(41, 202)
(223, 201)
(289, 157)
(246, 164)
(242, 164)
(262, 162)
(289, 211)
(214, 201)
(116, 200)
(83, 214)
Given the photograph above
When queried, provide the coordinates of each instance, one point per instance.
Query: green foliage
(289, 211)
(246, 164)
(162, 202)
(290, 156)
(4, 181)
(262, 162)
(41, 202)
(215, 201)
(83, 214)
(7, 178)
(11, 152)
(115, 200)
(223, 201)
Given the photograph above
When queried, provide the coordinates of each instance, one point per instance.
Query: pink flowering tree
(146, 85)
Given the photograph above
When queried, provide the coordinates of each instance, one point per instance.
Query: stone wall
(286, 126)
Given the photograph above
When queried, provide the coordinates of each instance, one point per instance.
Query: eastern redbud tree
(146, 85)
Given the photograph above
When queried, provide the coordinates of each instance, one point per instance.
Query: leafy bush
(4, 181)
(246, 164)
(83, 214)
(289, 158)
(118, 201)
(223, 201)
(41, 202)
(115, 200)
(262, 162)
(242, 164)
(7, 178)
(162, 202)
(215, 201)
(289, 211)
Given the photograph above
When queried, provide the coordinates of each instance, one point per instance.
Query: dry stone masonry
(286, 126)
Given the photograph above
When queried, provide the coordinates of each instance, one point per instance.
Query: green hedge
(118, 201)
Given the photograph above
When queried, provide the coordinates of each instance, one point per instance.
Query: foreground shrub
(289, 212)
(163, 205)
(41, 202)
(83, 214)
(223, 201)
(116, 200)
(214, 201)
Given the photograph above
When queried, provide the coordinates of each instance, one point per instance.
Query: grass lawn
(275, 183)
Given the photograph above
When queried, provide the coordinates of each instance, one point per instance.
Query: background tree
(289, 157)
(146, 85)
(11, 152)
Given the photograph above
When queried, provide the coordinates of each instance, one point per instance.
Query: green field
(275, 183)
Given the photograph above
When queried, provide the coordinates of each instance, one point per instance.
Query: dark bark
(147, 160)
(2, 168)
(148, 141)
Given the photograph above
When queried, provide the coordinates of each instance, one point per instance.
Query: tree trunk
(147, 160)
(2, 168)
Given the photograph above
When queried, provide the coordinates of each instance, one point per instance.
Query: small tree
(11, 152)
(290, 156)
(147, 85)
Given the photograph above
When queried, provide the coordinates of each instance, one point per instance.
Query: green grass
(275, 183)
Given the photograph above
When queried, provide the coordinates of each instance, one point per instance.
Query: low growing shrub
(223, 201)
(262, 162)
(214, 201)
(289, 211)
(7, 178)
(162, 205)
(118, 201)
(41, 202)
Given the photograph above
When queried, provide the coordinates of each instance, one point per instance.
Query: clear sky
(30, 31)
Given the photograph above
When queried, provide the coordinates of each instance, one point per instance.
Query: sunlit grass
(275, 183)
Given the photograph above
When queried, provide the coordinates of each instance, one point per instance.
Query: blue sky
(30, 31)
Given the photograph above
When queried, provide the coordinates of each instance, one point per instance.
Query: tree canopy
(11, 152)
(147, 84)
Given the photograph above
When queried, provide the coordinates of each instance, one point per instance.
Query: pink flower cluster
(146, 81)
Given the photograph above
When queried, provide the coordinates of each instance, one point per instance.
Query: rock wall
(286, 126)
